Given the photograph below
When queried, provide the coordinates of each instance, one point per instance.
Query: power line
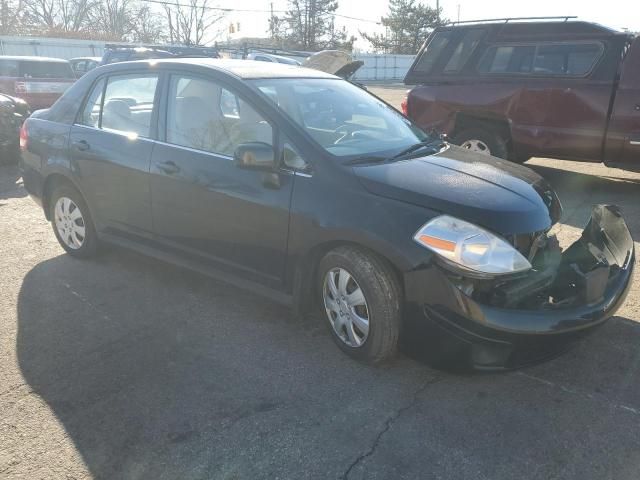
(245, 10)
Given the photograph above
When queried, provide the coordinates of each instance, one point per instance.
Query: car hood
(335, 62)
(496, 194)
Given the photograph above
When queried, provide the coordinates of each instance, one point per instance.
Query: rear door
(623, 136)
(111, 144)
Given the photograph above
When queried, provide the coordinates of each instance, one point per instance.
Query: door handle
(168, 167)
(81, 145)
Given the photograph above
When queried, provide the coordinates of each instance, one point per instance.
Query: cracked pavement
(124, 367)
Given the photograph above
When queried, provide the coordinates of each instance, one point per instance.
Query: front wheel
(360, 296)
(482, 141)
(72, 223)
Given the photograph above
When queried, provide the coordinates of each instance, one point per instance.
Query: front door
(110, 145)
(202, 202)
(623, 136)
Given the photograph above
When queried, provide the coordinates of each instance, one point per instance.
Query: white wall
(383, 66)
(50, 47)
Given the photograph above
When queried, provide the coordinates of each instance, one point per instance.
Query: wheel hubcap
(476, 146)
(69, 223)
(346, 307)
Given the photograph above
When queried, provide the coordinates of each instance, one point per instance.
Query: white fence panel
(383, 66)
(50, 47)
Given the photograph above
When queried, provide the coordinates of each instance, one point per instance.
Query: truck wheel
(361, 298)
(482, 141)
(72, 223)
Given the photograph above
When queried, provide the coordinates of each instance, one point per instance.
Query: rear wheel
(360, 296)
(483, 141)
(71, 222)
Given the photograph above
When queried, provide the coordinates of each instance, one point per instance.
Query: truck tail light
(23, 137)
(405, 106)
(20, 87)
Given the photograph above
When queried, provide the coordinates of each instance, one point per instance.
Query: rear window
(35, 69)
(434, 49)
(544, 59)
(463, 51)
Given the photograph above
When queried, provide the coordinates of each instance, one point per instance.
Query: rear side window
(432, 52)
(125, 105)
(544, 59)
(91, 113)
(43, 69)
(463, 51)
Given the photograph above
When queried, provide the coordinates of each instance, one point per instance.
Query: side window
(430, 56)
(91, 113)
(292, 159)
(128, 104)
(550, 59)
(571, 59)
(203, 115)
(229, 104)
(463, 51)
(507, 59)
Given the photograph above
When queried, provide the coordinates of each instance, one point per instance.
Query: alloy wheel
(476, 146)
(346, 307)
(70, 223)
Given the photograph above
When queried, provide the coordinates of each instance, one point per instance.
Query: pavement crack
(387, 426)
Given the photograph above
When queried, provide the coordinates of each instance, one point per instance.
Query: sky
(618, 14)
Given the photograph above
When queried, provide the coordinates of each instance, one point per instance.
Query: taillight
(23, 137)
(405, 106)
(20, 87)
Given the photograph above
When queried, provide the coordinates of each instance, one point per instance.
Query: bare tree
(149, 26)
(193, 22)
(10, 16)
(63, 16)
(114, 18)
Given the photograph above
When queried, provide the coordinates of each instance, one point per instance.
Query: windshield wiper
(366, 159)
(414, 148)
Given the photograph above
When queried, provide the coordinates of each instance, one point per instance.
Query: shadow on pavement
(156, 372)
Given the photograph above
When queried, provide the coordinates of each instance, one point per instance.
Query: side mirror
(255, 156)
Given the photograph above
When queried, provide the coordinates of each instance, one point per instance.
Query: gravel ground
(123, 367)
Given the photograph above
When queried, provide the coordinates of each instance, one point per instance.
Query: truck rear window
(570, 59)
(35, 69)
(434, 49)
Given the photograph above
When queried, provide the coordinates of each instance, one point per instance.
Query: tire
(82, 246)
(494, 143)
(381, 293)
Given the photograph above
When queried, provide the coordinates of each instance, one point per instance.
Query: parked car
(82, 65)
(559, 89)
(268, 57)
(119, 53)
(302, 186)
(336, 62)
(37, 80)
(13, 113)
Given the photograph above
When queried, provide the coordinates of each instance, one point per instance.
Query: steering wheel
(345, 128)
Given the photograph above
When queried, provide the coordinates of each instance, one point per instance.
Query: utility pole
(458, 13)
(438, 10)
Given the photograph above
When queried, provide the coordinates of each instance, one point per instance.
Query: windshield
(343, 118)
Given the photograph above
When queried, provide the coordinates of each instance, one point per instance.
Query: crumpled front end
(510, 321)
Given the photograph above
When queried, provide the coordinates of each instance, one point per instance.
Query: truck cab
(515, 89)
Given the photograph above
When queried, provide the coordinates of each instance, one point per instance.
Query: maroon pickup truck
(518, 89)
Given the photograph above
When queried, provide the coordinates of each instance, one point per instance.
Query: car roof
(33, 59)
(245, 69)
(508, 30)
(97, 59)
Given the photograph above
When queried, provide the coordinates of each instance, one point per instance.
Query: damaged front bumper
(508, 323)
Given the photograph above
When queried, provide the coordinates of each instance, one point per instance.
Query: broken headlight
(471, 247)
